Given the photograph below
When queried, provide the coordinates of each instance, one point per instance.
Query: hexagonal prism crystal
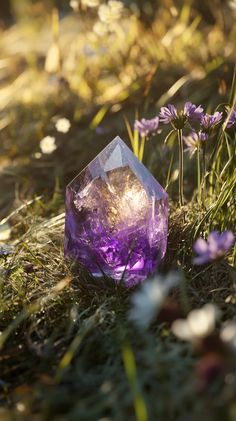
(116, 217)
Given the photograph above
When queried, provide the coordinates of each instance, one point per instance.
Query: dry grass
(66, 343)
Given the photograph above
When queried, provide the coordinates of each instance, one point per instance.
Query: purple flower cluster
(168, 114)
(232, 119)
(216, 246)
(193, 112)
(190, 113)
(210, 121)
(194, 141)
(146, 127)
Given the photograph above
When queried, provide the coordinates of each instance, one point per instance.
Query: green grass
(68, 350)
(67, 347)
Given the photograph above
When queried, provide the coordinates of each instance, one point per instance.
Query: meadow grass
(68, 348)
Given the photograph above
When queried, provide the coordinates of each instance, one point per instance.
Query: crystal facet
(116, 217)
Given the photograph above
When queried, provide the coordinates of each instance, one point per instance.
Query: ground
(68, 348)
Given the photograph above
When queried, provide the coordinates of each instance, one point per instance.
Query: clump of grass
(63, 332)
(68, 348)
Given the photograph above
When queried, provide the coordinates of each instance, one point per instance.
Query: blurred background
(95, 64)
(73, 75)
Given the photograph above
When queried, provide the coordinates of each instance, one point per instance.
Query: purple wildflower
(215, 247)
(168, 114)
(191, 113)
(194, 141)
(210, 121)
(147, 128)
(100, 130)
(232, 119)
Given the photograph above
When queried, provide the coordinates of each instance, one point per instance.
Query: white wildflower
(63, 125)
(20, 407)
(48, 144)
(90, 3)
(115, 5)
(228, 334)
(100, 28)
(111, 11)
(147, 302)
(74, 4)
(199, 323)
(38, 155)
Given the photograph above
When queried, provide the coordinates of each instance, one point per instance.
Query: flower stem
(228, 147)
(198, 175)
(181, 167)
(211, 182)
(141, 149)
(169, 171)
(203, 174)
(136, 143)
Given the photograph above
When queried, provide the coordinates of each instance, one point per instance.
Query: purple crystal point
(116, 216)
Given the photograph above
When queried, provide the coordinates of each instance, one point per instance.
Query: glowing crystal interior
(116, 217)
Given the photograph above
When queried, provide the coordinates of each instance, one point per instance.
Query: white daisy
(38, 155)
(90, 3)
(100, 28)
(48, 144)
(111, 11)
(228, 334)
(63, 125)
(147, 302)
(198, 324)
(74, 4)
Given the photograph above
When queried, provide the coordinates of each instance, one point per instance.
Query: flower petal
(200, 246)
(181, 329)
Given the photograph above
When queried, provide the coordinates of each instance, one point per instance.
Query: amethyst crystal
(116, 217)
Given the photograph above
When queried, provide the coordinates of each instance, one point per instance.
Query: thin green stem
(199, 174)
(136, 143)
(169, 170)
(215, 169)
(132, 376)
(228, 147)
(203, 174)
(211, 182)
(232, 99)
(141, 149)
(181, 167)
